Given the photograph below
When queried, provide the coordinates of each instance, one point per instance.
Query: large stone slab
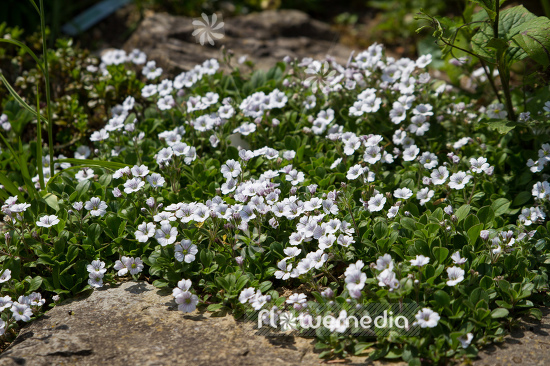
(137, 324)
(265, 37)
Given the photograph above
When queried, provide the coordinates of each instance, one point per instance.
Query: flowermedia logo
(208, 29)
(375, 319)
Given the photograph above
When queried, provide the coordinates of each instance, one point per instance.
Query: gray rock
(137, 324)
(528, 344)
(266, 38)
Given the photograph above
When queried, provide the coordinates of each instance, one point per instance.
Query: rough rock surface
(137, 324)
(529, 344)
(266, 38)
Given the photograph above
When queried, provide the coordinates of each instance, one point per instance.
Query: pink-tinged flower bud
(327, 293)
(116, 192)
(484, 234)
(293, 190)
(312, 188)
(7, 236)
(239, 260)
(490, 170)
(454, 218)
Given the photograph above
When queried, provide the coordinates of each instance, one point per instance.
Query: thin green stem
(39, 162)
(47, 79)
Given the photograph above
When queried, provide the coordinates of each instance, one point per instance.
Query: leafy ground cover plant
(348, 185)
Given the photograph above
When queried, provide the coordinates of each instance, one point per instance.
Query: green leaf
(51, 200)
(35, 284)
(534, 38)
(442, 299)
(91, 163)
(462, 212)
(473, 233)
(408, 223)
(510, 23)
(499, 313)
(501, 126)
(440, 254)
(500, 206)
(380, 229)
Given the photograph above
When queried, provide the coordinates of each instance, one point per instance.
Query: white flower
(296, 299)
(246, 295)
(459, 180)
(479, 165)
(96, 279)
(457, 259)
(439, 176)
(183, 286)
(156, 180)
(133, 185)
(166, 234)
(145, 231)
(5, 302)
(496, 111)
(84, 174)
(96, 206)
(47, 221)
(456, 275)
(21, 312)
(392, 212)
(5, 276)
(376, 203)
(96, 266)
(465, 340)
(424, 195)
(185, 251)
(403, 193)
(427, 318)
(284, 270)
(420, 261)
(355, 171)
(139, 170)
(187, 302)
(384, 262)
(355, 280)
(99, 135)
(410, 153)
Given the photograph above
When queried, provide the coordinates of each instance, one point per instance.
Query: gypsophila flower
(185, 251)
(459, 180)
(5, 276)
(427, 318)
(456, 275)
(166, 234)
(47, 221)
(96, 206)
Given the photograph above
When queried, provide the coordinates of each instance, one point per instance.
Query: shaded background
(359, 22)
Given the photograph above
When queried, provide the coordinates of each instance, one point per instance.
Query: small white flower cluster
(187, 302)
(135, 178)
(96, 271)
(128, 265)
(22, 309)
(254, 298)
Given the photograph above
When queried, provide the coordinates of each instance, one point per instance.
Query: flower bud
(484, 234)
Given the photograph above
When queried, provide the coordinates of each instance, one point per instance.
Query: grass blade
(20, 100)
